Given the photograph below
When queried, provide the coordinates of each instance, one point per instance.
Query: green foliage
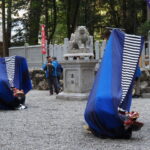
(19, 23)
(62, 20)
(61, 28)
(60, 33)
(144, 28)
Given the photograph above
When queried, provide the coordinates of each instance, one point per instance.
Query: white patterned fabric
(10, 68)
(131, 52)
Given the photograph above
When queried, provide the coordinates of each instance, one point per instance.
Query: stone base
(72, 96)
(78, 75)
(146, 95)
(78, 56)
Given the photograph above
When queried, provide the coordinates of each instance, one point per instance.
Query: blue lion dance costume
(112, 89)
(13, 74)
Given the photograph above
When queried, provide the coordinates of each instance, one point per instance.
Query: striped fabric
(10, 68)
(112, 88)
(131, 52)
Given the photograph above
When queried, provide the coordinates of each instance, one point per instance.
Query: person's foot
(88, 130)
(50, 93)
(20, 107)
(57, 92)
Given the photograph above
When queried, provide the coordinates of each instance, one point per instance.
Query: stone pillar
(66, 41)
(102, 48)
(97, 50)
(78, 79)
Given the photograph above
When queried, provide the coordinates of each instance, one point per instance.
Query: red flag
(43, 39)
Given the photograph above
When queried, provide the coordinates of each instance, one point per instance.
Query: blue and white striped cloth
(112, 89)
(10, 68)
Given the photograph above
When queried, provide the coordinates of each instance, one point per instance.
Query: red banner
(43, 39)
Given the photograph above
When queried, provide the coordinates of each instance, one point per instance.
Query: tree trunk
(46, 23)
(68, 18)
(113, 13)
(72, 14)
(124, 11)
(4, 28)
(46, 17)
(75, 15)
(9, 22)
(132, 18)
(34, 19)
(54, 21)
(148, 13)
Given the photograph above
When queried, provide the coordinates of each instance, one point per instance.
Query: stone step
(72, 96)
(146, 95)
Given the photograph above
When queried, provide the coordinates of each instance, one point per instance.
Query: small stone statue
(80, 40)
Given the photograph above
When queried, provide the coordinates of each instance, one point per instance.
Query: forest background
(61, 17)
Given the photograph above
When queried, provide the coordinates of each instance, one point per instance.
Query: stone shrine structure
(78, 67)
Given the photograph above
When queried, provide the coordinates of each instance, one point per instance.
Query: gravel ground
(52, 124)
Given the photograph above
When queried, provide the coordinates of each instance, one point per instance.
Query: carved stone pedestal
(78, 79)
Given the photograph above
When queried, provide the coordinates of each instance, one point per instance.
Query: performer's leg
(22, 101)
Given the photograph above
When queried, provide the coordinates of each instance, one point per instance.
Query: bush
(144, 28)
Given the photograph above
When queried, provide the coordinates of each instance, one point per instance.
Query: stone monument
(79, 67)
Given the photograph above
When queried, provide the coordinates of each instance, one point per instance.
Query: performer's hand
(18, 93)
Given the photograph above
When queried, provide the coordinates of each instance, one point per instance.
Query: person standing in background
(51, 75)
(59, 71)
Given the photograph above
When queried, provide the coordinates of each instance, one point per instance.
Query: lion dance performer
(108, 109)
(14, 82)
